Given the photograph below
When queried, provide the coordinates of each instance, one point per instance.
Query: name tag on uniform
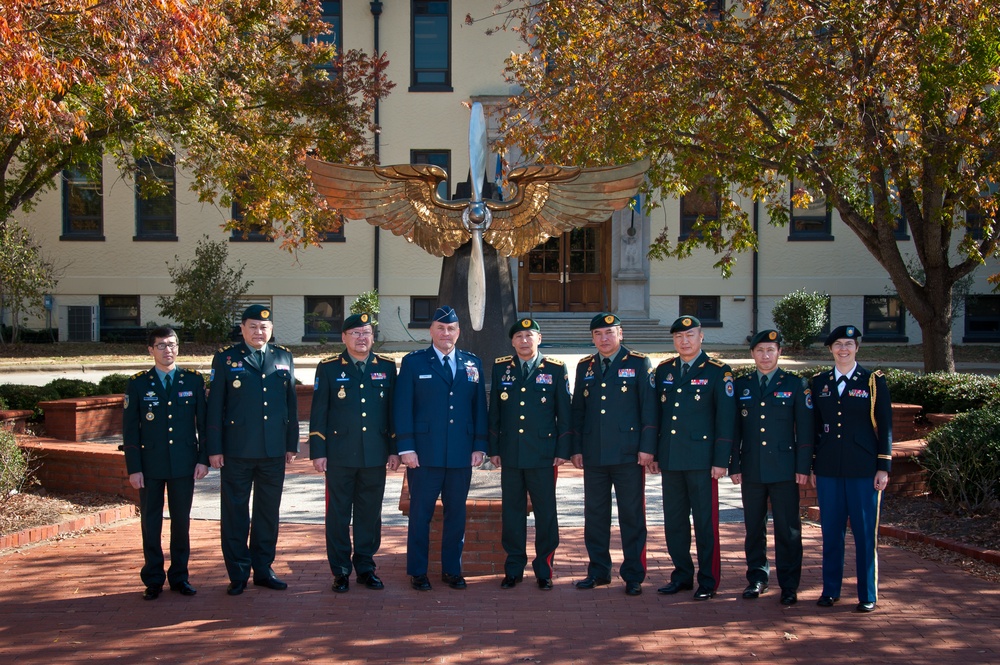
(186, 393)
(424, 376)
(626, 373)
(280, 367)
(543, 378)
(699, 382)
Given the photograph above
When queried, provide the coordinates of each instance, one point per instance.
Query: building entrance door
(569, 273)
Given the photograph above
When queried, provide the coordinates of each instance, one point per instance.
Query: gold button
(263, 376)
(678, 390)
(364, 415)
(762, 403)
(763, 443)
(265, 417)
(604, 396)
(170, 415)
(523, 389)
(673, 431)
(170, 429)
(522, 417)
(761, 429)
(170, 403)
(677, 403)
(520, 431)
(364, 429)
(171, 442)
(265, 403)
(762, 416)
(265, 389)
(522, 403)
(674, 418)
(451, 422)
(362, 386)
(602, 412)
(362, 400)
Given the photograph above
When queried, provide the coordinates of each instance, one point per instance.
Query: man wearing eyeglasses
(350, 429)
(163, 427)
(253, 432)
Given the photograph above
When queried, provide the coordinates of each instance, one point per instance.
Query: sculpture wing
(402, 199)
(550, 200)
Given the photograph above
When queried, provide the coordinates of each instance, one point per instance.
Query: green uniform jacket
(164, 435)
(614, 416)
(529, 419)
(697, 414)
(774, 430)
(351, 418)
(252, 411)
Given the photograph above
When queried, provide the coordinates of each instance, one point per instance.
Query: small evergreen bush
(962, 460)
(112, 384)
(800, 316)
(13, 465)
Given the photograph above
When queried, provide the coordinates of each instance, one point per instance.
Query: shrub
(3, 404)
(13, 465)
(66, 388)
(25, 397)
(366, 302)
(800, 316)
(962, 460)
(112, 384)
(941, 392)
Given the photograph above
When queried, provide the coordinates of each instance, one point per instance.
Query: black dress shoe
(754, 589)
(867, 606)
(675, 587)
(590, 582)
(341, 584)
(236, 588)
(633, 589)
(454, 581)
(420, 583)
(270, 582)
(789, 597)
(545, 583)
(183, 588)
(509, 582)
(371, 581)
(826, 601)
(704, 593)
(152, 592)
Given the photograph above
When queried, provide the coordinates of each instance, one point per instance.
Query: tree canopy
(888, 109)
(238, 90)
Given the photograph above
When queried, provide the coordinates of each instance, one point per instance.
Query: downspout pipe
(376, 9)
(755, 280)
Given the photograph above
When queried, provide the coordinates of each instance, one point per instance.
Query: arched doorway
(568, 273)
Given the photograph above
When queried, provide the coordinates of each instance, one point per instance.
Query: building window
(155, 199)
(808, 221)
(440, 158)
(120, 319)
(701, 203)
(248, 233)
(332, 14)
(885, 318)
(422, 311)
(324, 317)
(982, 318)
(83, 205)
(706, 308)
(431, 46)
(335, 236)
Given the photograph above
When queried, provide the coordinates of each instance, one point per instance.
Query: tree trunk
(936, 330)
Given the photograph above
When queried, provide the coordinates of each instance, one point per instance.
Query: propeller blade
(478, 150)
(477, 282)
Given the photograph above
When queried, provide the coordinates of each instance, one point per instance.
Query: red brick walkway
(79, 600)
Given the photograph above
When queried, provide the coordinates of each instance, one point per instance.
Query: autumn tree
(26, 276)
(888, 108)
(238, 90)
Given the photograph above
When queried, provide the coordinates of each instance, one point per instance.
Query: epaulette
(716, 362)
(468, 353)
(138, 374)
(586, 359)
(383, 357)
(223, 349)
(283, 348)
(503, 359)
(667, 361)
(636, 354)
(878, 372)
(554, 361)
(329, 360)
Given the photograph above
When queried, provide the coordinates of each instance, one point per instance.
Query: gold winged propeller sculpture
(542, 201)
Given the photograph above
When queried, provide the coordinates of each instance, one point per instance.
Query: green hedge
(112, 384)
(962, 460)
(941, 392)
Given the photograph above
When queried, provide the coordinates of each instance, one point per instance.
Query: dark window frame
(974, 319)
(416, 73)
(424, 156)
(147, 167)
(688, 219)
(700, 306)
(310, 320)
(332, 12)
(335, 236)
(871, 325)
(825, 220)
(253, 234)
(422, 311)
(74, 179)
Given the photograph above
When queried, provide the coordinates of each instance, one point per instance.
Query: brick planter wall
(483, 553)
(83, 418)
(304, 397)
(79, 467)
(15, 419)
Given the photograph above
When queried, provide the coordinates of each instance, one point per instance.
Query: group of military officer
(690, 420)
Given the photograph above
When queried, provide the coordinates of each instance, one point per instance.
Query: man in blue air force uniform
(439, 411)
(253, 432)
(163, 428)
(350, 433)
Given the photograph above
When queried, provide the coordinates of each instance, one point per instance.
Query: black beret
(765, 336)
(356, 321)
(685, 323)
(523, 324)
(257, 312)
(842, 332)
(604, 320)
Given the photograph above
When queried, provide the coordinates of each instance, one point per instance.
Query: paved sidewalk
(78, 600)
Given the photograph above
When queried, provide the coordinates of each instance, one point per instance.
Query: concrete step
(574, 331)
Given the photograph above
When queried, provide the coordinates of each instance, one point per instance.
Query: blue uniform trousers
(855, 499)
(426, 484)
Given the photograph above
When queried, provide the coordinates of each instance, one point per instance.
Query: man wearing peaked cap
(853, 456)
(529, 417)
(439, 412)
(696, 420)
(771, 458)
(253, 432)
(614, 438)
(350, 437)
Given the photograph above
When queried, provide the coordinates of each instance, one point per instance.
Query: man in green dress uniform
(163, 428)
(350, 431)
(529, 418)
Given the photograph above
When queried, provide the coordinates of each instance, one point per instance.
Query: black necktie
(361, 366)
(684, 369)
(167, 383)
(525, 371)
(763, 383)
(606, 362)
(446, 361)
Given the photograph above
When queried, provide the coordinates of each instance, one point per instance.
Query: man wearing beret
(697, 417)
(439, 411)
(772, 455)
(350, 433)
(529, 417)
(163, 428)
(614, 438)
(253, 432)
(852, 464)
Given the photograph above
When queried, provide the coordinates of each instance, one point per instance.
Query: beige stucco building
(114, 262)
